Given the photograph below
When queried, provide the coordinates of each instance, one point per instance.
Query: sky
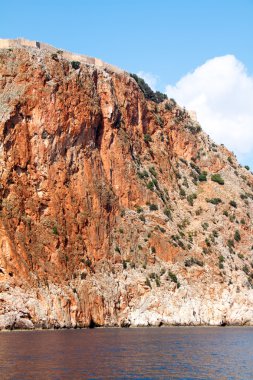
(197, 51)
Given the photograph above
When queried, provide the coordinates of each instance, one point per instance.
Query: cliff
(115, 210)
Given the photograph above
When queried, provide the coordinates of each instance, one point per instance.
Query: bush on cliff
(217, 178)
(149, 94)
(75, 65)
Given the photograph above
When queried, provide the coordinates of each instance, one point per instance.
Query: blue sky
(162, 38)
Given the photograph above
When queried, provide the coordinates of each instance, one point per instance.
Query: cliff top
(21, 42)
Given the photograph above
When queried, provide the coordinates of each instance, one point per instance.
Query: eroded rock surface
(110, 214)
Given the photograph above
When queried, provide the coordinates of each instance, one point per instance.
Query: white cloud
(149, 78)
(221, 92)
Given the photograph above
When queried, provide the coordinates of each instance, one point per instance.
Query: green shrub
(207, 242)
(214, 201)
(202, 177)
(117, 249)
(237, 236)
(167, 212)
(159, 121)
(247, 167)
(233, 204)
(75, 65)
(170, 105)
(217, 178)
(152, 171)
(205, 226)
(221, 261)
(147, 282)
(193, 261)
(55, 230)
(140, 175)
(231, 243)
(157, 281)
(150, 185)
(142, 218)
(124, 263)
(173, 277)
(88, 262)
(153, 207)
(147, 138)
(215, 233)
(149, 94)
(191, 198)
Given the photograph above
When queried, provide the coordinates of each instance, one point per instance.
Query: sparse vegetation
(149, 94)
(191, 198)
(214, 201)
(150, 185)
(88, 262)
(148, 283)
(203, 177)
(245, 269)
(233, 204)
(147, 138)
(193, 261)
(231, 243)
(152, 171)
(170, 105)
(55, 230)
(75, 65)
(167, 212)
(221, 261)
(237, 236)
(153, 207)
(205, 226)
(217, 178)
(173, 278)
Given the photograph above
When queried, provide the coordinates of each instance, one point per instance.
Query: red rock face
(99, 189)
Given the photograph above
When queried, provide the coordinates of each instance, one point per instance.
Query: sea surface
(187, 353)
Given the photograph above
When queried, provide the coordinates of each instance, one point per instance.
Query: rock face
(115, 210)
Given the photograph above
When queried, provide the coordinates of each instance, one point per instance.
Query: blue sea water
(186, 353)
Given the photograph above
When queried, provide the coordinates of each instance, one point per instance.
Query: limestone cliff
(115, 210)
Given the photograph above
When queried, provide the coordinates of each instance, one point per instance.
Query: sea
(186, 353)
